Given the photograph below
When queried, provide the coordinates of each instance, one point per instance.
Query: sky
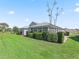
(22, 12)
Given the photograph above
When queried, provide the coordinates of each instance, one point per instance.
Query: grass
(19, 47)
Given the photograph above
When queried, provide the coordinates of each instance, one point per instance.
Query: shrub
(34, 35)
(37, 35)
(30, 35)
(60, 37)
(52, 37)
(9, 30)
(66, 33)
(19, 32)
(16, 30)
(44, 35)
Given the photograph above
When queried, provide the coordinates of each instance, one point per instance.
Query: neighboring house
(3, 26)
(41, 27)
(71, 30)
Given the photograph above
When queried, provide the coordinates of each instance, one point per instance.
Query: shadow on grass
(76, 38)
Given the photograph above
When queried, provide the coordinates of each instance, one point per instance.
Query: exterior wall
(51, 30)
(24, 32)
(38, 29)
(44, 29)
(55, 30)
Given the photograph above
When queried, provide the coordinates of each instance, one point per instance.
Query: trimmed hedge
(37, 35)
(60, 37)
(51, 37)
(30, 35)
(44, 36)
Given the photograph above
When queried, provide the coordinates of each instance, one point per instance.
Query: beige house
(43, 27)
(40, 27)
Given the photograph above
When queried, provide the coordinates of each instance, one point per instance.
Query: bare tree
(51, 9)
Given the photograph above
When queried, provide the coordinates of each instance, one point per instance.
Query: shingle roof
(40, 24)
(45, 24)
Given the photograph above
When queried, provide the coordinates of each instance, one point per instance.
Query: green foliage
(52, 37)
(8, 29)
(30, 35)
(60, 37)
(37, 35)
(2, 29)
(34, 35)
(66, 33)
(44, 36)
(16, 30)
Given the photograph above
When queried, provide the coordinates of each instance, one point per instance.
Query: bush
(34, 35)
(44, 36)
(66, 33)
(9, 30)
(16, 30)
(30, 35)
(52, 37)
(37, 35)
(60, 37)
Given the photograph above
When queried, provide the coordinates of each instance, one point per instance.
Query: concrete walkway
(65, 38)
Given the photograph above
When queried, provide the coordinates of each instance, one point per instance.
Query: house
(71, 30)
(3, 26)
(43, 27)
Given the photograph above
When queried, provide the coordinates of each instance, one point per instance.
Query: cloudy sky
(22, 12)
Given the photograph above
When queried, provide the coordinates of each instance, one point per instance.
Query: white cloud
(77, 10)
(77, 4)
(27, 19)
(11, 12)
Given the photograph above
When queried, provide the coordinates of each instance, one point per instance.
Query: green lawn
(19, 47)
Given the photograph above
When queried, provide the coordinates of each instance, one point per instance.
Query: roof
(40, 24)
(4, 24)
(44, 24)
(25, 27)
